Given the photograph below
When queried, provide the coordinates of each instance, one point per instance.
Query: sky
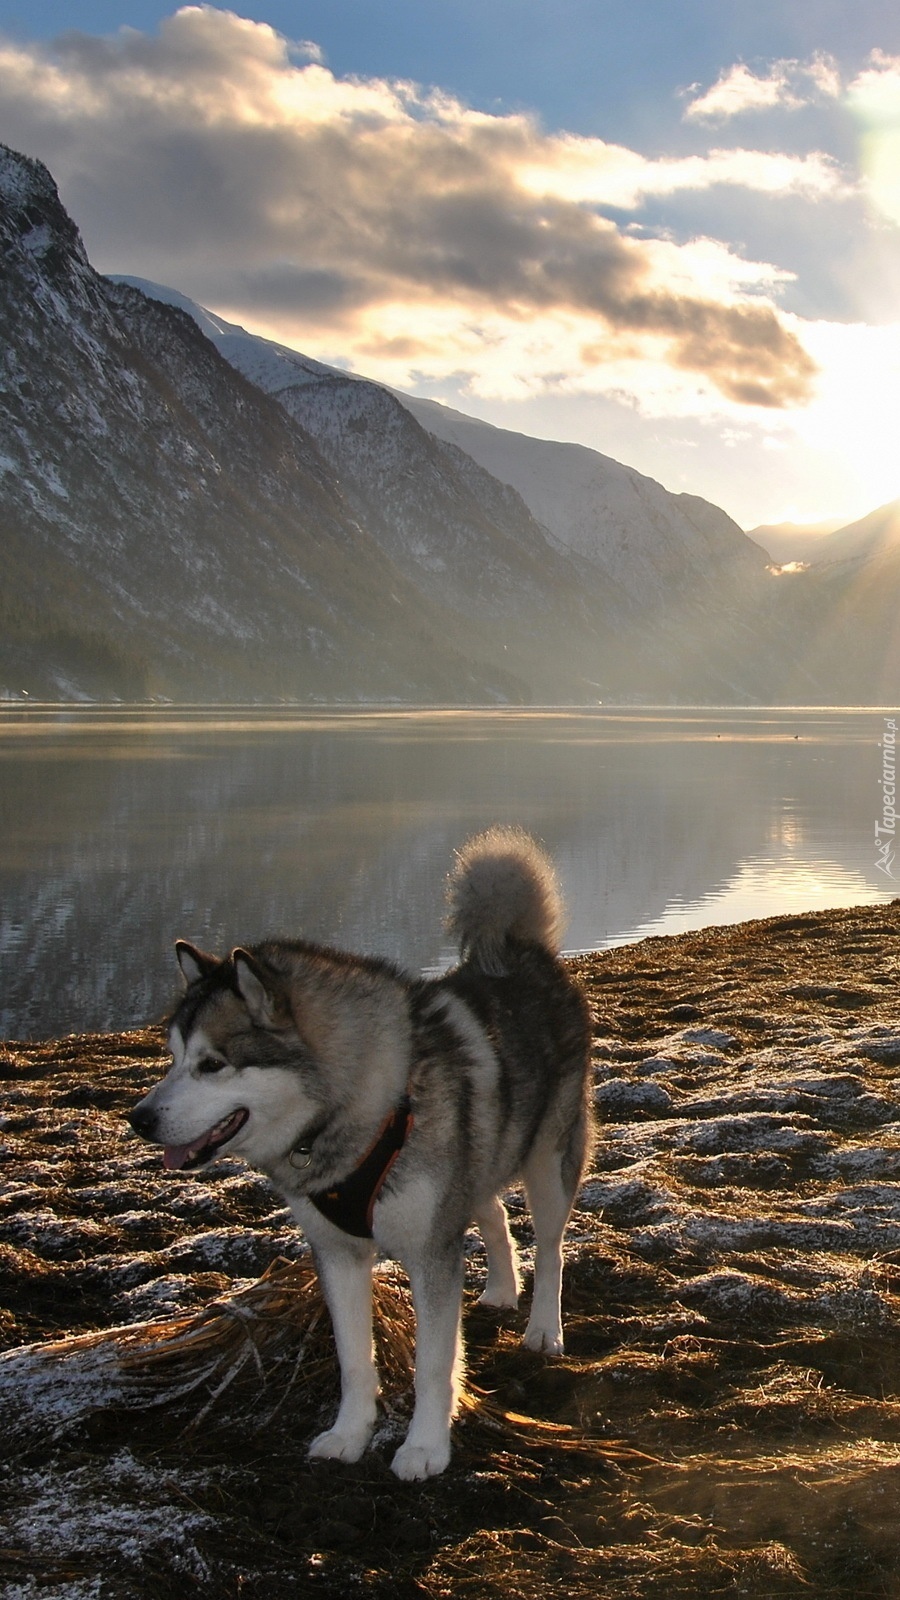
(666, 229)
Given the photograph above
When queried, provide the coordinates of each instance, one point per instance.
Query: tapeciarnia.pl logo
(885, 830)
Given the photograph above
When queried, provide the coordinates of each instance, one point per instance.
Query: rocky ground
(726, 1420)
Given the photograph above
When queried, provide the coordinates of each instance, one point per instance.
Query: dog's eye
(210, 1064)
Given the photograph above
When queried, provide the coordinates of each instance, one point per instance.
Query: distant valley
(190, 512)
(792, 541)
(874, 535)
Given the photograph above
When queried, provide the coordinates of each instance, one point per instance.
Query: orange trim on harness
(350, 1204)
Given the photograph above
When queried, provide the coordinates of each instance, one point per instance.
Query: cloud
(787, 86)
(382, 222)
(588, 170)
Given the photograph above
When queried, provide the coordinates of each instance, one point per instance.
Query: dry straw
(261, 1345)
(278, 1329)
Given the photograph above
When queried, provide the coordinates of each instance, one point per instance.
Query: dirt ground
(726, 1420)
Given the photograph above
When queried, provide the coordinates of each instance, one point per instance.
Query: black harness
(350, 1203)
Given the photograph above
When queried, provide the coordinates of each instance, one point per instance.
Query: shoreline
(731, 1299)
(596, 968)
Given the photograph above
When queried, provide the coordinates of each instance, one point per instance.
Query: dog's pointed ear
(258, 997)
(195, 964)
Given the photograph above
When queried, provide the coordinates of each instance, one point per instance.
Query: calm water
(122, 829)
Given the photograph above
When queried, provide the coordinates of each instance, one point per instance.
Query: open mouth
(185, 1157)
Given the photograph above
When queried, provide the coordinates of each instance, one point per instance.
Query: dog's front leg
(437, 1297)
(345, 1273)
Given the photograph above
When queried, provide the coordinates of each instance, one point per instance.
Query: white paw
(337, 1445)
(499, 1299)
(414, 1461)
(546, 1340)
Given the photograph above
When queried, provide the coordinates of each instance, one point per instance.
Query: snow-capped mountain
(271, 366)
(191, 511)
(466, 535)
(168, 528)
(649, 542)
(687, 605)
(646, 543)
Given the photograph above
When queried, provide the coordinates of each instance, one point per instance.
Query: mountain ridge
(871, 536)
(596, 508)
(191, 512)
(134, 459)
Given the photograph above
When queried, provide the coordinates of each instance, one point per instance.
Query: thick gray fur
(503, 887)
(292, 1056)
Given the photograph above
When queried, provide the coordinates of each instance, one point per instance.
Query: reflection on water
(123, 829)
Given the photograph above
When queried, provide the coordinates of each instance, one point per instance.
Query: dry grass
(726, 1420)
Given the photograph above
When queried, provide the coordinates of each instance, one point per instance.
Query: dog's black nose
(142, 1119)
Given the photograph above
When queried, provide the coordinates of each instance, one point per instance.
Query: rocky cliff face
(652, 544)
(594, 579)
(646, 544)
(467, 540)
(167, 528)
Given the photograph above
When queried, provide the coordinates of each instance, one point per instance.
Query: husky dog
(392, 1111)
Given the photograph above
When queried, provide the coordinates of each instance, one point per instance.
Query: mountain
(465, 535)
(786, 542)
(874, 535)
(840, 610)
(693, 611)
(189, 511)
(645, 543)
(650, 542)
(269, 365)
(169, 529)
(651, 588)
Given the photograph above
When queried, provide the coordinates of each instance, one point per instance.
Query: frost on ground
(123, 1514)
(733, 1317)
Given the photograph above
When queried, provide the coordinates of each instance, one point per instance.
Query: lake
(124, 828)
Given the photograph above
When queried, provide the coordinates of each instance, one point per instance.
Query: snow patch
(119, 1510)
(48, 1387)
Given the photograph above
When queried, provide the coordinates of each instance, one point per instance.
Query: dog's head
(240, 1078)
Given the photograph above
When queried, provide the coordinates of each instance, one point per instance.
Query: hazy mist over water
(126, 828)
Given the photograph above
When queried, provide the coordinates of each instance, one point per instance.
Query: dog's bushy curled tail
(503, 887)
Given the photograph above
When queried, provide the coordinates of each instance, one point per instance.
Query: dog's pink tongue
(175, 1156)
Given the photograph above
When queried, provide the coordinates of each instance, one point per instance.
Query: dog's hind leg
(502, 1287)
(345, 1273)
(436, 1285)
(551, 1179)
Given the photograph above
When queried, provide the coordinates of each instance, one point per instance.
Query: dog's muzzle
(143, 1120)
